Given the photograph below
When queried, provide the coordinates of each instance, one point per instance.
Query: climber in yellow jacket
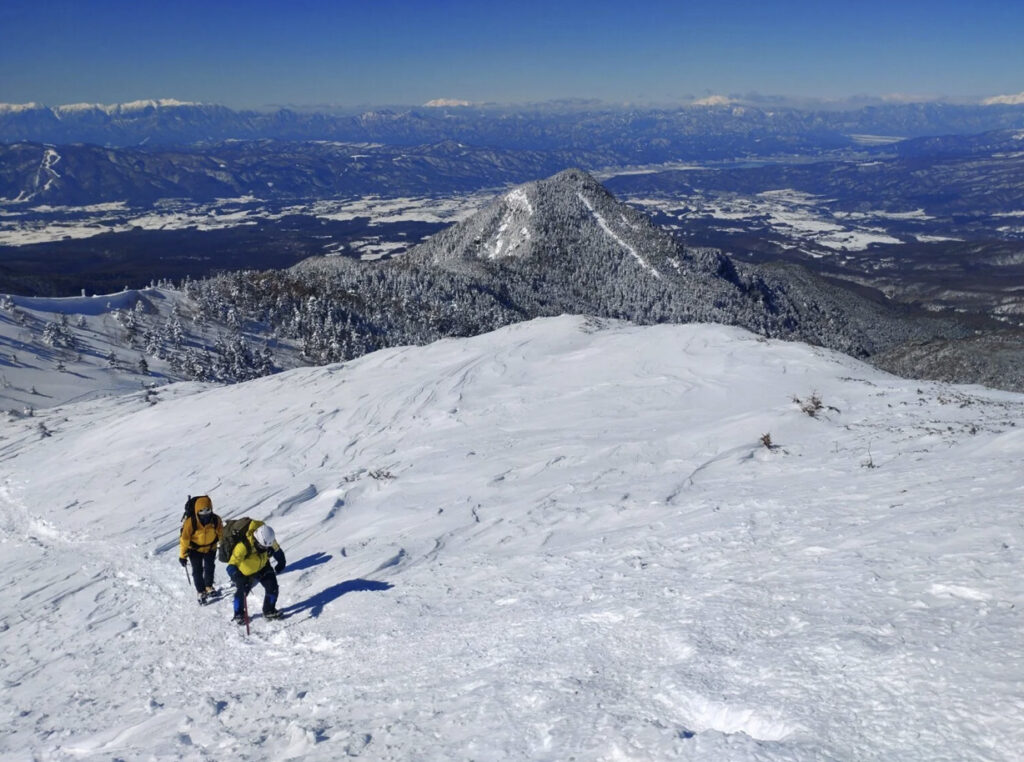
(201, 528)
(250, 563)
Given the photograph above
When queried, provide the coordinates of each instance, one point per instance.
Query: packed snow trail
(560, 539)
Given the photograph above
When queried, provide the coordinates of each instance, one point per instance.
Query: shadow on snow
(315, 604)
(308, 562)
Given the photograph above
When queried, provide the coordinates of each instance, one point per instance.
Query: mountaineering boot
(272, 614)
(201, 597)
(238, 619)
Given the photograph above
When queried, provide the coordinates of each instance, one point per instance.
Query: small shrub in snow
(813, 405)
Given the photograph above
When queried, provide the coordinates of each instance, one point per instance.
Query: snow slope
(561, 540)
(35, 374)
(99, 355)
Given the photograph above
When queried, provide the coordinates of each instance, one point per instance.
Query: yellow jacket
(198, 536)
(245, 557)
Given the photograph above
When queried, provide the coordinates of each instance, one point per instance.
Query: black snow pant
(202, 568)
(265, 577)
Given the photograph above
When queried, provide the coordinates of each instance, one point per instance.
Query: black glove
(279, 568)
(279, 557)
(183, 561)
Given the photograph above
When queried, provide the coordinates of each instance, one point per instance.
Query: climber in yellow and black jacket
(250, 563)
(201, 528)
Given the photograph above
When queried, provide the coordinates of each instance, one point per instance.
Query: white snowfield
(562, 540)
(23, 225)
(794, 214)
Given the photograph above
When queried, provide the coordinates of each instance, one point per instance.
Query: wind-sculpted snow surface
(566, 538)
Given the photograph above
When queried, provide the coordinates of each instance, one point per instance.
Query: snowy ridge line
(605, 227)
(15, 108)
(107, 108)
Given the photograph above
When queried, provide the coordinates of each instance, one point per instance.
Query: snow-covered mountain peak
(565, 244)
(447, 103)
(123, 108)
(1015, 99)
(715, 100)
(540, 219)
(17, 108)
(141, 105)
(107, 109)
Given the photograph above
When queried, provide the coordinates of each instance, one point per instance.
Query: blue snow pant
(202, 568)
(265, 577)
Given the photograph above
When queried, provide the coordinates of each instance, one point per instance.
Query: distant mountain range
(965, 175)
(719, 130)
(81, 174)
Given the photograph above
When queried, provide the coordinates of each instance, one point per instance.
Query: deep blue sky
(250, 54)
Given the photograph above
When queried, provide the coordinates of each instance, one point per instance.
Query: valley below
(933, 227)
(915, 214)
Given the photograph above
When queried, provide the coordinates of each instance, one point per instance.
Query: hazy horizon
(345, 55)
(755, 100)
